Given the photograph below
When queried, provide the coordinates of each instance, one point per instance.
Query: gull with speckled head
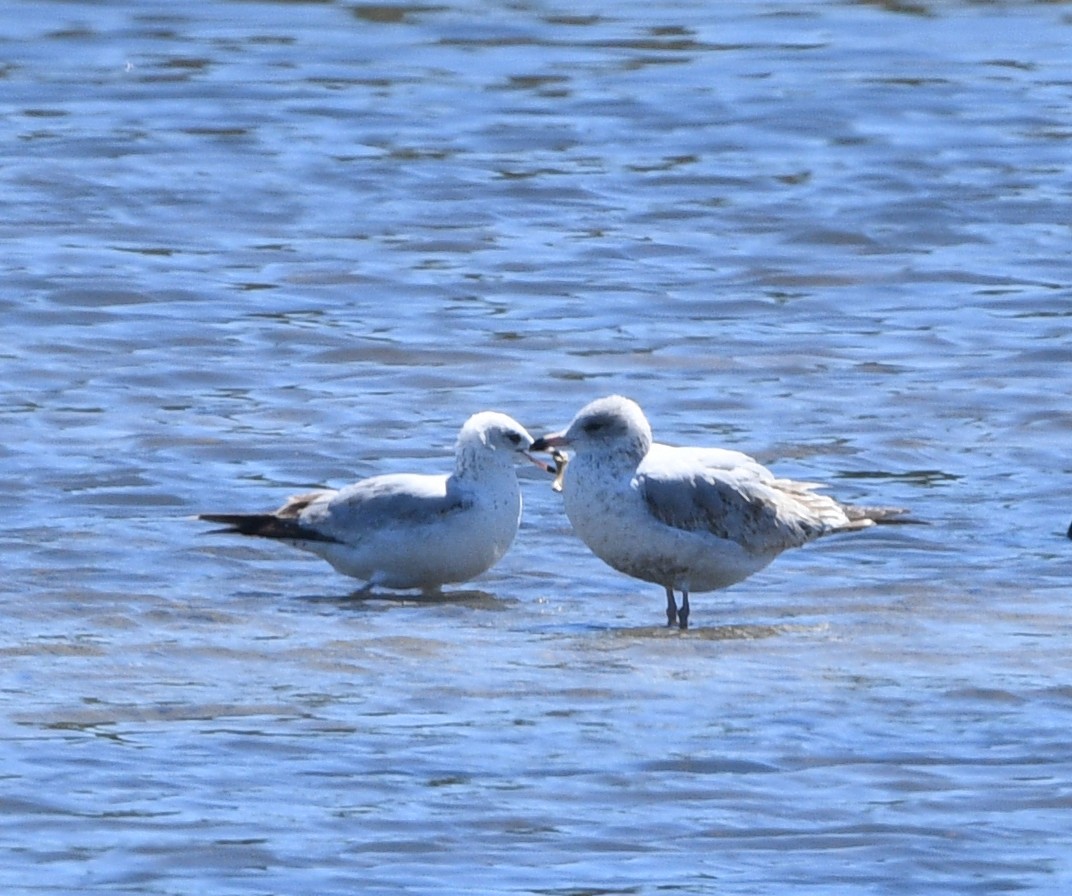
(689, 519)
(411, 531)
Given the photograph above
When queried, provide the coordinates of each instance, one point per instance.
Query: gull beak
(552, 443)
(542, 464)
(535, 461)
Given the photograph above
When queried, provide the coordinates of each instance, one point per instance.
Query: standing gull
(405, 530)
(689, 519)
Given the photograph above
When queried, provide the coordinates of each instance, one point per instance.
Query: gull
(406, 530)
(689, 519)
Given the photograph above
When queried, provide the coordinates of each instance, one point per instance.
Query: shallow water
(254, 247)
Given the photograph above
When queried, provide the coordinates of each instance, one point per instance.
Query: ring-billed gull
(407, 530)
(689, 519)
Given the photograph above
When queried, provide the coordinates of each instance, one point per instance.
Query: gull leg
(671, 607)
(683, 613)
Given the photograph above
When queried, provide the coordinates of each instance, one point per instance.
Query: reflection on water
(363, 600)
(711, 632)
(253, 248)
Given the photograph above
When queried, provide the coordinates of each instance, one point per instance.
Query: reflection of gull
(406, 530)
(690, 519)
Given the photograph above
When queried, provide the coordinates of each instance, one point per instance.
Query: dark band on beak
(549, 442)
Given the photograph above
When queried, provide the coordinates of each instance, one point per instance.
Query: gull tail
(264, 525)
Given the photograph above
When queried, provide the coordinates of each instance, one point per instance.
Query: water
(254, 247)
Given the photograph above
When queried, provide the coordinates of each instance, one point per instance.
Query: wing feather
(348, 515)
(386, 501)
(732, 496)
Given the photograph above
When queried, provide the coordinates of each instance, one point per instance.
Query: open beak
(539, 462)
(552, 443)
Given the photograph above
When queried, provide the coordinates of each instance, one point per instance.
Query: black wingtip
(240, 523)
(263, 525)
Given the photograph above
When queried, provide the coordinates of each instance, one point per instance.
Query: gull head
(611, 426)
(490, 434)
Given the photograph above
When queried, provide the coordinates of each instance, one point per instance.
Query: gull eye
(514, 437)
(593, 426)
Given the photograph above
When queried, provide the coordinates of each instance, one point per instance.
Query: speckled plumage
(689, 519)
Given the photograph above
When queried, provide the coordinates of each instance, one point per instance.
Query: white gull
(407, 530)
(689, 519)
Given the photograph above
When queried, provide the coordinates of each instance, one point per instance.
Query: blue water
(251, 248)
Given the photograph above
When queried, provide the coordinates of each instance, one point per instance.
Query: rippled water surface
(253, 247)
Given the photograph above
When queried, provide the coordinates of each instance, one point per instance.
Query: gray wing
(730, 496)
(383, 502)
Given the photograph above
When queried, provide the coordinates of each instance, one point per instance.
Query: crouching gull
(689, 519)
(408, 531)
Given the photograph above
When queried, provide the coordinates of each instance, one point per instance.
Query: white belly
(618, 529)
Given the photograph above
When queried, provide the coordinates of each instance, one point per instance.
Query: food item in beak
(560, 468)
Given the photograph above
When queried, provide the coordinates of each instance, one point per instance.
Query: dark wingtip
(1069, 532)
(264, 525)
(240, 523)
